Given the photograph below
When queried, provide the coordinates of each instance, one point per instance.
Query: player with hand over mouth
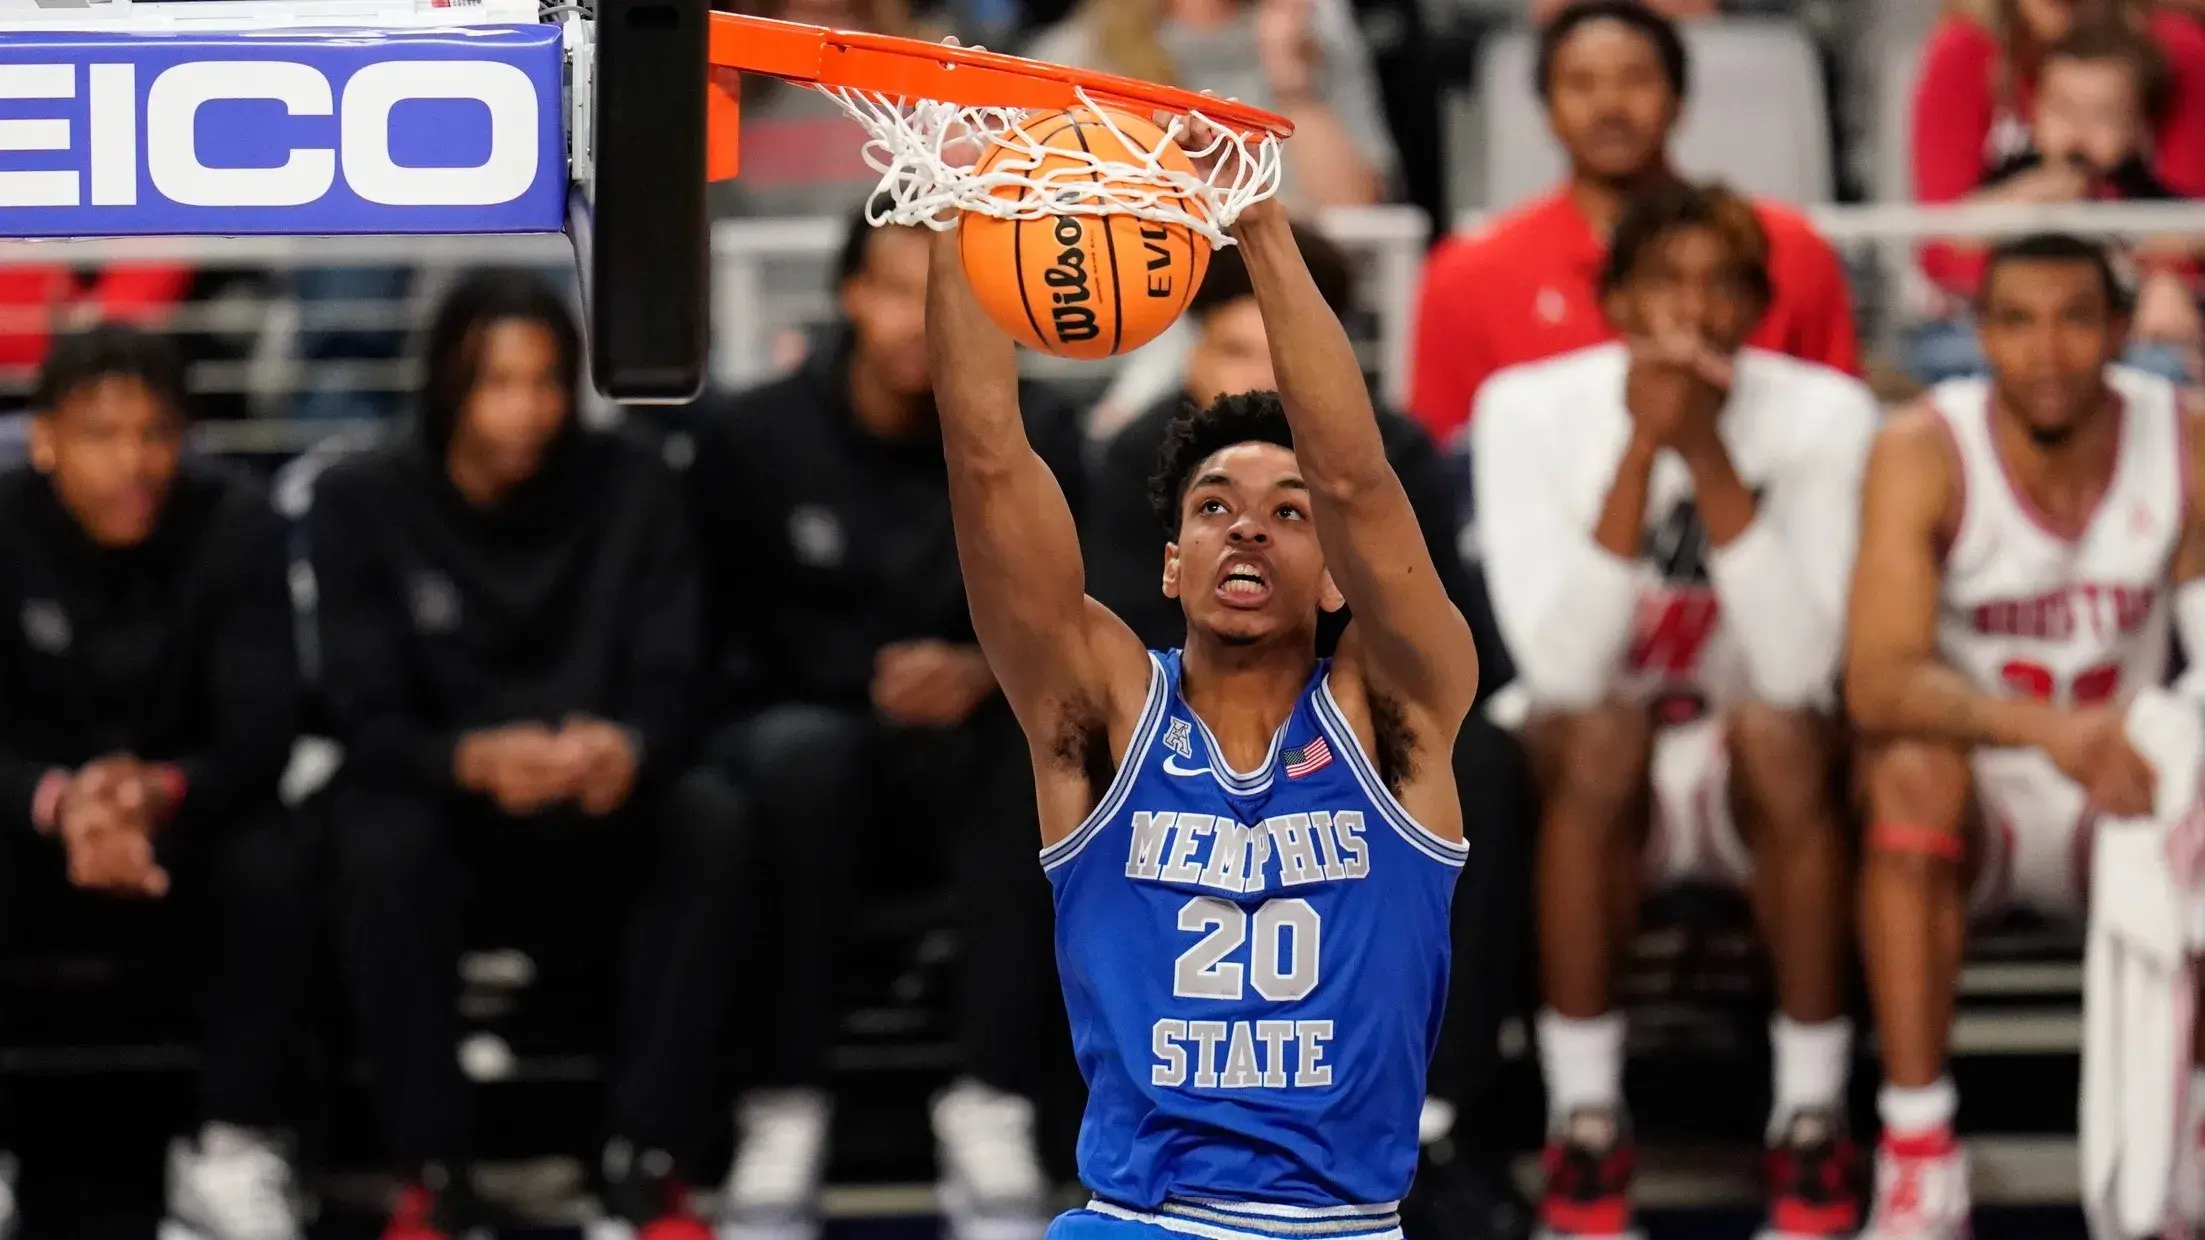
(1667, 530)
(2021, 538)
(1253, 850)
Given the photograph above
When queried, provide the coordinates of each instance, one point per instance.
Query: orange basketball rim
(892, 67)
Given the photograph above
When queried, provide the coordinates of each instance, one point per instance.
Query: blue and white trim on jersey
(1129, 770)
(1254, 783)
(1416, 834)
(1247, 1220)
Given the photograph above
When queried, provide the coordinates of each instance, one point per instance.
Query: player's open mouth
(1243, 584)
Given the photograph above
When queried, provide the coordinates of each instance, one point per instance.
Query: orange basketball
(1084, 286)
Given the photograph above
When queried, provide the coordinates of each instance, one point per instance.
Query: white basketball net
(927, 152)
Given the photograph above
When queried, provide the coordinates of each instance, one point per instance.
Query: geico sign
(109, 144)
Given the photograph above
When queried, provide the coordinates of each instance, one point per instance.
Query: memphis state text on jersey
(1235, 858)
(1255, 964)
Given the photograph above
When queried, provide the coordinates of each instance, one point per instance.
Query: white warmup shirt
(1761, 619)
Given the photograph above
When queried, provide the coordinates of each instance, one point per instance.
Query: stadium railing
(772, 282)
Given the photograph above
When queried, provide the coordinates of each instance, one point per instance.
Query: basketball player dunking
(1253, 850)
(2023, 543)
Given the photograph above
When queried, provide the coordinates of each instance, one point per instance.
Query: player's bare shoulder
(1915, 463)
(1916, 427)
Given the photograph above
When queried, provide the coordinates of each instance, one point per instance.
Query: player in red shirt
(1522, 289)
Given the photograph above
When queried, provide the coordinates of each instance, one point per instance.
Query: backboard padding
(644, 241)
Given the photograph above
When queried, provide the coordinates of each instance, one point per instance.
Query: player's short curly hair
(1657, 30)
(2061, 249)
(112, 351)
(1198, 432)
(1654, 213)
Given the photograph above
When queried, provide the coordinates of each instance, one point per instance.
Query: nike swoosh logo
(1172, 767)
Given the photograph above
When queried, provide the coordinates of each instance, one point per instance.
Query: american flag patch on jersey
(1312, 757)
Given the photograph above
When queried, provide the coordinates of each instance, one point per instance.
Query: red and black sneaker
(645, 1199)
(1588, 1165)
(1814, 1179)
(439, 1205)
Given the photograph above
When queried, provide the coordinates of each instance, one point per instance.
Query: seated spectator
(509, 640)
(1304, 59)
(866, 713)
(2098, 89)
(1462, 1180)
(1613, 75)
(1977, 90)
(1667, 527)
(151, 696)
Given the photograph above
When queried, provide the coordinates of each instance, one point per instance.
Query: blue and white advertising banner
(453, 130)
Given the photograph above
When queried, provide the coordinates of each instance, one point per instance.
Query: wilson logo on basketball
(1093, 284)
(1071, 316)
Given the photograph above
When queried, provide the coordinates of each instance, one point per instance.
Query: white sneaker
(1921, 1189)
(233, 1184)
(772, 1190)
(992, 1185)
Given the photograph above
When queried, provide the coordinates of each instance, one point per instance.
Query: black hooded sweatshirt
(824, 541)
(576, 593)
(177, 650)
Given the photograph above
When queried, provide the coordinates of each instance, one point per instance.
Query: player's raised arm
(1049, 645)
(1414, 640)
(1894, 683)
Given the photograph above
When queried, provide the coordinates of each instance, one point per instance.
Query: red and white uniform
(1683, 625)
(2073, 617)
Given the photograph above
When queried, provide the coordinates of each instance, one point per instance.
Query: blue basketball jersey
(1254, 965)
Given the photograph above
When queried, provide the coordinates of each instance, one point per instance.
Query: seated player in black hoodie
(149, 695)
(509, 622)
